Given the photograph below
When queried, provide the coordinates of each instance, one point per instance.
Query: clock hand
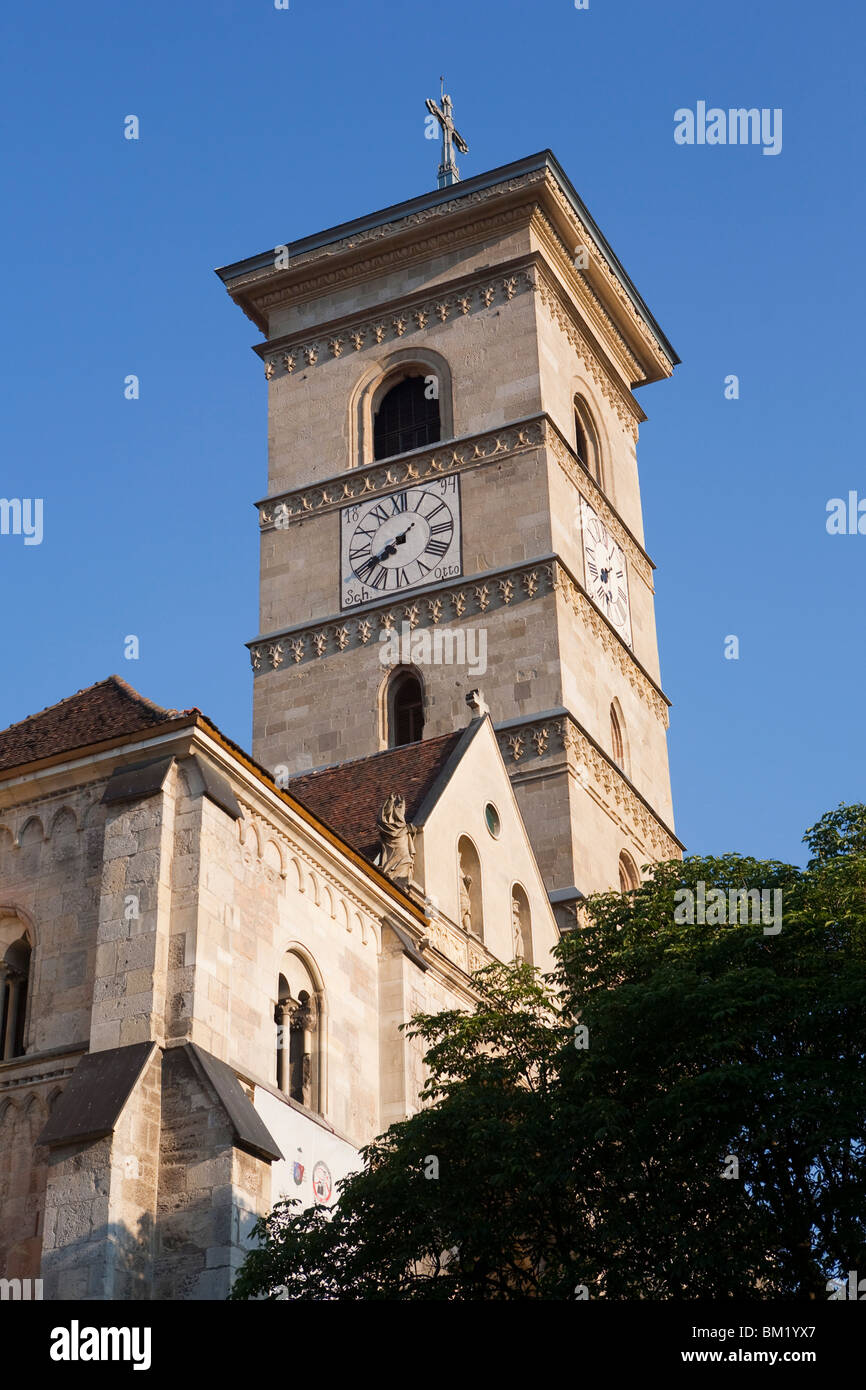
(391, 547)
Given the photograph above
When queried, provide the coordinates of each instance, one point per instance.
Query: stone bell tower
(452, 450)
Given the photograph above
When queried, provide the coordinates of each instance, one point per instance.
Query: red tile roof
(350, 796)
(107, 710)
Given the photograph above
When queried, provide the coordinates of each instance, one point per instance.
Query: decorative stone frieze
(546, 739)
(413, 319)
(457, 456)
(526, 584)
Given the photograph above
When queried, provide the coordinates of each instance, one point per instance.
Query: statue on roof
(396, 856)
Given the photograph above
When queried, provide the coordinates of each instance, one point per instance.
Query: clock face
(606, 575)
(397, 542)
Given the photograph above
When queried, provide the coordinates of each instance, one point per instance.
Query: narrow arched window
(298, 1023)
(405, 709)
(470, 902)
(586, 440)
(619, 738)
(616, 743)
(407, 418)
(629, 878)
(14, 981)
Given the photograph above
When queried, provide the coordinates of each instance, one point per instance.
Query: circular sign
(322, 1182)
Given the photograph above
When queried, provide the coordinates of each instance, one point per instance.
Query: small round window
(491, 816)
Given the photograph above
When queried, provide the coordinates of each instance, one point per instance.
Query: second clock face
(606, 575)
(397, 542)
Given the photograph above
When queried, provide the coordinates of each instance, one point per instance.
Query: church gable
(471, 829)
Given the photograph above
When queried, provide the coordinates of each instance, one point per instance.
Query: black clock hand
(391, 547)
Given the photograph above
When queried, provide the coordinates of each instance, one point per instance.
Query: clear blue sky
(259, 126)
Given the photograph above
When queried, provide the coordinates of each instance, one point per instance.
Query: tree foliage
(542, 1168)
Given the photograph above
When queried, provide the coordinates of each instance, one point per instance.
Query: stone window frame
(393, 676)
(319, 1089)
(28, 934)
(376, 382)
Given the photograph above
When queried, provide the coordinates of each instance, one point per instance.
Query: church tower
(453, 506)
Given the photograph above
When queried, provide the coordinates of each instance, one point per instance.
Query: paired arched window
(471, 910)
(629, 878)
(404, 708)
(298, 1018)
(521, 925)
(586, 440)
(15, 952)
(407, 417)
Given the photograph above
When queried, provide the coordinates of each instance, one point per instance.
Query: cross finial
(448, 171)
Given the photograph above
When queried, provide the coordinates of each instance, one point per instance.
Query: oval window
(491, 816)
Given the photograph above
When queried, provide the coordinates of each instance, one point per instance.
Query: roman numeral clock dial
(605, 573)
(400, 541)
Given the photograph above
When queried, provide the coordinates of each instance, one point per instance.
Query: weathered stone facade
(478, 286)
(163, 883)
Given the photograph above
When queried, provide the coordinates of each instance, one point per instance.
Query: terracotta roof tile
(107, 710)
(349, 797)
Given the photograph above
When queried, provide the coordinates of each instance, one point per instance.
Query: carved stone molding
(638, 560)
(618, 397)
(387, 260)
(265, 828)
(480, 293)
(611, 278)
(466, 952)
(454, 600)
(615, 648)
(436, 462)
(542, 740)
(456, 457)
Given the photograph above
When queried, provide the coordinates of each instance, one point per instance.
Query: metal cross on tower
(448, 171)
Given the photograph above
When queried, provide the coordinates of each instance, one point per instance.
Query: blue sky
(259, 126)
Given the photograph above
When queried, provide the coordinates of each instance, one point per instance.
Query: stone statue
(396, 856)
(517, 931)
(465, 883)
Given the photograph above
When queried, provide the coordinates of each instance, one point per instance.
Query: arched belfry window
(586, 440)
(14, 982)
(407, 417)
(405, 709)
(298, 1018)
(629, 878)
(471, 908)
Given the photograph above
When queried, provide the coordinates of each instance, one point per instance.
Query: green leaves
(711, 1049)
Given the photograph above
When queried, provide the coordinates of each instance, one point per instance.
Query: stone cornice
(348, 266)
(304, 291)
(609, 279)
(420, 228)
(538, 741)
(401, 318)
(456, 456)
(559, 258)
(463, 597)
(562, 314)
